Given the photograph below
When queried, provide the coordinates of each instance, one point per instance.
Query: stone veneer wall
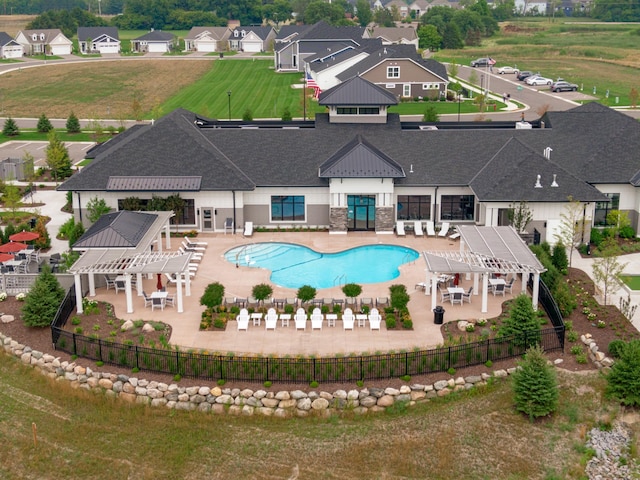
(385, 219)
(338, 219)
(235, 401)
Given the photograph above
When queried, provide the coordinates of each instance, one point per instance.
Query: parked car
(538, 80)
(524, 74)
(563, 86)
(483, 62)
(503, 70)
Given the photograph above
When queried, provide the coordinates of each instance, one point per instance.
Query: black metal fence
(299, 369)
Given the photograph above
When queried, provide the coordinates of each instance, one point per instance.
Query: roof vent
(554, 183)
(411, 169)
(538, 184)
(547, 153)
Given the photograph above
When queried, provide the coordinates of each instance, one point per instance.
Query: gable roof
(156, 36)
(123, 229)
(260, 32)
(394, 34)
(217, 33)
(357, 91)
(93, 33)
(360, 159)
(49, 35)
(290, 32)
(323, 31)
(6, 39)
(512, 174)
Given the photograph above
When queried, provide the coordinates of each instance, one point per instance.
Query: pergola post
(536, 290)
(485, 292)
(523, 282)
(476, 281)
(92, 285)
(434, 291)
(139, 283)
(159, 241)
(187, 284)
(167, 235)
(179, 292)
(127, 291)
(78, 283)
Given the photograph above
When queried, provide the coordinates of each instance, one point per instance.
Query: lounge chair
(400, 229)
(316, 319)
(193, 248)
(467, 296)
(417, 228)
(431, 228)
(382, 301)
(248, 229)
(455, 235)
(444, 229)
(375, 319)
(228, 225)
(271, 319)
(348, 319)
(243, 319)
(291, 301)
(190, 241)
(300, 319)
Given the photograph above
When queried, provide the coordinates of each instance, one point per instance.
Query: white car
(538, 80)
(503, 70)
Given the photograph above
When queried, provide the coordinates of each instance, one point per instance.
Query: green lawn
(631, 281)
(31, 136)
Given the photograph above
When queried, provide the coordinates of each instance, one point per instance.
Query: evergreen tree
(97, 207)
(44, 241)
(58, 158)
(452, 37)
(43, 300)
(559, 258)
(535, 385)
(364, 13)
(73, 124)
(44, 125)
(247, 116)
(623, 381)
(10, 128)
(522, 323)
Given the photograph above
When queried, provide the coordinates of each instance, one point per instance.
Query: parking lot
(17, 149)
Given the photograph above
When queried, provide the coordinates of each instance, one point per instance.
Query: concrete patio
(239, 281)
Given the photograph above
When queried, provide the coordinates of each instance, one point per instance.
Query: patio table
(362, 319)
(284, 319)
(331, 319)
(256, 317)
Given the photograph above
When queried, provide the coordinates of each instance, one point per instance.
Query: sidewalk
(632, 267)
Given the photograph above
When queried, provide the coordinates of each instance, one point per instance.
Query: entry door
(361, 212)
(208, 219)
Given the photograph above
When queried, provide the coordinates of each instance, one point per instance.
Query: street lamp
(459, 99)
(229, 96)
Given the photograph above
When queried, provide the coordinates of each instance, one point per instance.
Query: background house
(155, 41)
(207, 39)
(98, 40)
(252, 39)
(9, 48)
(394, 35)
(49, 41)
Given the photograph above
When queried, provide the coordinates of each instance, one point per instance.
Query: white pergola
(98, 258)
(484, 251)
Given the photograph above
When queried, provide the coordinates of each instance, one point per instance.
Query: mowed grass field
(472, 435)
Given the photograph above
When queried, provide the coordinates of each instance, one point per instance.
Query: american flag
(311, 83)
(492, 61)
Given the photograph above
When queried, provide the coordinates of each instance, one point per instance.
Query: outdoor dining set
(15, 256)
(450, 290)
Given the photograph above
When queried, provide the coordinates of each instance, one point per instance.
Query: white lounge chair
(348, 319)
(193, 248)
(300, 319)
(243, 319)
(375, 319)
(316, 319)
(431, 228)
(248, 229)
(444, 229)
(400, 229)
(190, 241)
(455, 235)
(417, 228)
(271, 319)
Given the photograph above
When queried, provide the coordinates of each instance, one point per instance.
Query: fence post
(267, 376)
(361, 368)
(406, 363)
(136, 350)
(487, 355)
(220, 357)
(100, 349)
(449, 358)
(314, 368)
(75, 349)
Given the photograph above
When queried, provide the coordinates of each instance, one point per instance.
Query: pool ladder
(340, 280)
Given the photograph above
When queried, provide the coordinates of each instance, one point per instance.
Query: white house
(98, 40)
(46, 41)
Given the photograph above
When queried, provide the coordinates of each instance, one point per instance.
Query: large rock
(7, 318)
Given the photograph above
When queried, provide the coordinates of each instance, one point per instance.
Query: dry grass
(469, 436)
(12, 24)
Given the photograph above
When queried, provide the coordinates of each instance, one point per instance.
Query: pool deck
(238, 282)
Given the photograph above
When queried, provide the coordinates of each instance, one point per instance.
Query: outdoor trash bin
(438, 315)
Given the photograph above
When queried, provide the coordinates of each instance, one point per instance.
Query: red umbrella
(159, 284)
(24, 236)
(12, 247)
(4, 257)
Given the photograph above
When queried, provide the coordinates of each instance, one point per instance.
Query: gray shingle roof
(92, 33)
(122, 229)
(154, 184)
(357, 91)
(360, 159)
(5, 39)
(157, 36)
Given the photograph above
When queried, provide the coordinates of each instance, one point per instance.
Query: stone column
(385, 219)
(338, 219)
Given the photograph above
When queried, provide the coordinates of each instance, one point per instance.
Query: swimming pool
(293, 266)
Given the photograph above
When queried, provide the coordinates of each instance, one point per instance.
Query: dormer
(42, 37)
(244, 33)
(236, 33)
(357, 101)
(34, 37)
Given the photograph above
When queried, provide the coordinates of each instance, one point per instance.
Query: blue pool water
(293, 266)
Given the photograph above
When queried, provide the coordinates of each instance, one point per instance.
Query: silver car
(503, 70)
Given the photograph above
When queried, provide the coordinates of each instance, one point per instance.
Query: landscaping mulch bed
(617, 326)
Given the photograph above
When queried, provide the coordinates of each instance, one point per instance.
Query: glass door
(361, 212)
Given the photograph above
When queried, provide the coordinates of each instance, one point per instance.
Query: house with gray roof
(252, 39)
(207, 39)
(359, 167)
(394, 35)
(98, 40)
(50, 41)
(155, 41)
(9, 48)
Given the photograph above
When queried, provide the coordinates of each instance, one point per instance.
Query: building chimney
(538, 184)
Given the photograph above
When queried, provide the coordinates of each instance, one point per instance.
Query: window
(187, 216)
(429, 86)
(457, 207)
(369, 110)
(287, 208)
(393, 72)
(347, 110)
(414, 207)
(604, 208)
(390, 85)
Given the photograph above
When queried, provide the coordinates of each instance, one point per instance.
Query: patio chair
(444, 229)
(157, 303)
(417, 228)
(195, 256)
(375, 319)
(382, 301)
(444, 295)
(509, 286)
(120, 285)
(193, 248)
(455, 235)
(300, 319)
(55, 260)
(499, 289)
(400, 229)
(467, 296)
(456, 298)
(316, 319)
(243, 319)
(111, 283)
(147, 299)
(190, 241)
(248, 229)
(348, 319)
(271, 319)
(327, 301)
(291, 301)
(431, 228)
(366, 302)
(229, 301)
(34, 255)
(228, 225)
(170, 300)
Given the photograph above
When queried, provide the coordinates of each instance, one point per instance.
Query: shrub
(337, 308)
(576, 349)
(627, 232)
(559, 258)
(390, 322)
(407, 324)
(615, 347)
(286, 115)
(624, 377)
(43, 300)
(288, 308)
(399, 297)
(535, 385)
(212, 295)
(566, 300)
(451, 371)
(221, 382)
(267, 384)
(261, 292)
(488, 364)
(44, 125)
(314, 384)
(572, 336)
(522, 322)
(351, 290)
(306, 293)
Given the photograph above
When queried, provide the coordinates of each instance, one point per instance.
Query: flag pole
(304, 96)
